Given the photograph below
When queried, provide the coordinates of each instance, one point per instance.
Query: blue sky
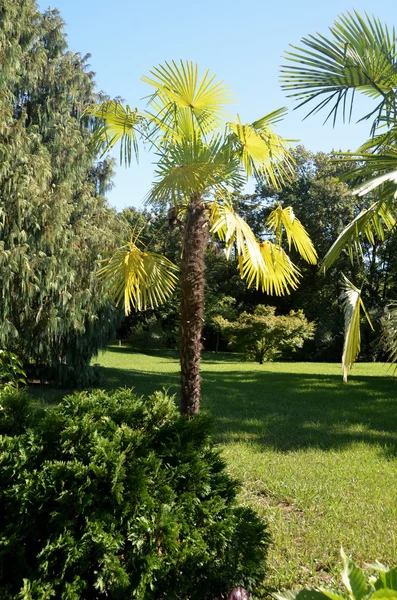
(242, 42)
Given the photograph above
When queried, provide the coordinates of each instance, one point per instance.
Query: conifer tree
(53, 221)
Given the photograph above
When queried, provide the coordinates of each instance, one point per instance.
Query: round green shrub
(115, 496)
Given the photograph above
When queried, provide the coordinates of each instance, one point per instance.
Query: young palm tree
(359, 55)
(201, 157)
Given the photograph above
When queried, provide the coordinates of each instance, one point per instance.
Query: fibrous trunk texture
(192, 303)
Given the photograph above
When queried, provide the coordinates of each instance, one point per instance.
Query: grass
(316, 457)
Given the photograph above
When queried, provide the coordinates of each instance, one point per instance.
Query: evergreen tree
(53, 221)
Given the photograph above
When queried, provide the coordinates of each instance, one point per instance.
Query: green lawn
(316, 457)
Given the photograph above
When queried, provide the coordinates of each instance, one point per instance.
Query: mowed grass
(316, 457)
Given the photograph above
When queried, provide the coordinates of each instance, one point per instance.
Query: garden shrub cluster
(114, 496)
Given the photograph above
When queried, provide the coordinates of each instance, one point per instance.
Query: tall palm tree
(201, 157)
(359, 55)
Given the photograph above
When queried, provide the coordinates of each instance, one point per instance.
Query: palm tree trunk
(192, 304)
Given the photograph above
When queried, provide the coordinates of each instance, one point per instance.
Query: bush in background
(113, 496)
(263, 335)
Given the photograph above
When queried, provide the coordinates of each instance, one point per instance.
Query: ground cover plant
(316, 457)
(357, 586)
(116, 496)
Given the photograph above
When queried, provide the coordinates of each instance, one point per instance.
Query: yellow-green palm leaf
(370, 223)
(117, 123)
(352, 304)
(280, 275)
(183, 101)
(236, 233)
(138, 279)
(284, 219)
(194, 166)
(264, 265)
(262, 152)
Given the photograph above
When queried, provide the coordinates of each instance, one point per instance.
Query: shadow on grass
(291, 411)
(283, 411)
(143, 382)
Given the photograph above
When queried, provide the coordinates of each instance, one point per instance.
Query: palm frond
(359, 55)
(235, 232)
(264, 265)
(384, 164)
(352, 303)
(139, 279)
(193, 166)
(370, 223)
(284, 218)
(116, 123)
(281, 275)
(185, 102)
(262, 152)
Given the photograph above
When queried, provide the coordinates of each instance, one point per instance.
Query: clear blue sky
(242, 42)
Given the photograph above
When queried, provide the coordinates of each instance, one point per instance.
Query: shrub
(264, 335)
(113, 496)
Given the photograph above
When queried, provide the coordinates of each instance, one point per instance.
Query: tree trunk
(192, 304)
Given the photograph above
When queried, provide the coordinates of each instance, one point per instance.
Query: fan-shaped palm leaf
(117, 123)
(261, 151)
(281, 275)
(235, 233)
(194, 167)
(184, 102)
(361, 55)
(264, 265)
(352, 303)
(139, 279)
(296, 234)
(370, 223)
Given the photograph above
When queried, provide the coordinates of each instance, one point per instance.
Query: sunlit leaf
(262, 152)
(280, 275)
(263, 265)
(370, 223)
(353, 578)
(138, 279)
(193, 166)
(116, 123)
(352, 304)
(184, 102)
(283, 219)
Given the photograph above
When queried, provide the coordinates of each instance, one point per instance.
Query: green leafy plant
(357, 587)
(12, 374)
(116, 496)
(263, 335)
(11, 369)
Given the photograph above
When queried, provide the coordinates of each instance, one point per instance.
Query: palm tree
(359, 55)
(201, 157)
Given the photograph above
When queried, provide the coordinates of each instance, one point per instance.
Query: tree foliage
(54, 224)
(263, 335)
(359, 55)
